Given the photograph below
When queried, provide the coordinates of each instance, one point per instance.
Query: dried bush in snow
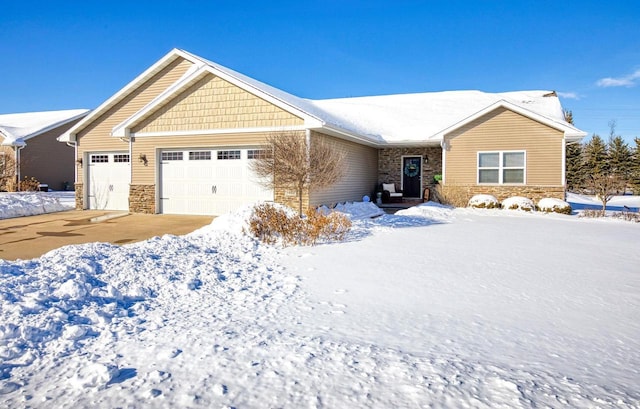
(519, 203)
(29, 184)
(628, 216)
(484, 202)
(551, 205)
(452, 195)
(271, 223)
(590, 213)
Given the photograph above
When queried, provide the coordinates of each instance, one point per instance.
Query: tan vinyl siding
(213, 103)
(360, 176)
(149, 146)
(97, 135)
(505, 130)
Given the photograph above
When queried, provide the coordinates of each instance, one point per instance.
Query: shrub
(628, 216)
(591, 213)
(551, 205)
(271, 223)
(519, 203)
(484, 202)
(319, 225)
(452, 195)
(29, 184)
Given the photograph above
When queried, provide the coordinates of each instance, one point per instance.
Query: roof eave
(202, 68)
(70, 135)
(568, 130)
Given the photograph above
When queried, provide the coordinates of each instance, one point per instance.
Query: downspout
(564, 165)
(74, 145)
(18, 149)
(444, 145)
(129, 139)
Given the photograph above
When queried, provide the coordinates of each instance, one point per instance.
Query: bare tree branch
(294, 165)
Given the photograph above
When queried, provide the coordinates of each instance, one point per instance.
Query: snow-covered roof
(18, 128)
(422, 118)
(411, 118)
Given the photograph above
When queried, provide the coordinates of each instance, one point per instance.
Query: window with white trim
(123, 158)
(99, 158)
(200, 155)
(502, 167)
(222, 155)
(171, 155)
(258, 154)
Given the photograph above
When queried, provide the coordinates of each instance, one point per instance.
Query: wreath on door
(411, 169)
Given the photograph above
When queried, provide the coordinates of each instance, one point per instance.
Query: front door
(411, 176)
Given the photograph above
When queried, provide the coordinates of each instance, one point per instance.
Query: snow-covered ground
(34, 203)
(617, 203)
(430, 307)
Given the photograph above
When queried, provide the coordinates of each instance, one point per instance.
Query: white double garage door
(189, 181)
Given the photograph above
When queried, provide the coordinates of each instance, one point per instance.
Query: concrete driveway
(30, 237)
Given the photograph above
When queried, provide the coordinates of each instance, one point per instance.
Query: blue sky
(64, 55)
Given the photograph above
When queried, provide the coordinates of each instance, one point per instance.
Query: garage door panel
(209, 186)
(108, 181)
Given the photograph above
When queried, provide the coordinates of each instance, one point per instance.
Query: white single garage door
(108, 180)
(209, 181)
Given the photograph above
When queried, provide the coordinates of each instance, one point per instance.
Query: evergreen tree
(595, 156)
(574, 167)
(568, 116)
(620, 161)
(635, 168)
(598, 172)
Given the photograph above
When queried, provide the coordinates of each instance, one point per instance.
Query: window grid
(258, 154)
(200, 155)
(497, 172)
(224, 155)
(171, 155)
(99, 158)
(124, 158)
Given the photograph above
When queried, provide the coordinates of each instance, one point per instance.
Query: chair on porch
(390, 194)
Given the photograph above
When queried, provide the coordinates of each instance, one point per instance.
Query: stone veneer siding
(79, 196)
(289, 197)
(390, 164)
(142, 199)
(534, 193)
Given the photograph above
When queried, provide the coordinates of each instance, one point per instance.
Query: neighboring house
(180, 137)
(28, 146)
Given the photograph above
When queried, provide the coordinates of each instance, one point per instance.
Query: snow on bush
(272, 224)
(550, 204)
(519, 203)
(484, 202)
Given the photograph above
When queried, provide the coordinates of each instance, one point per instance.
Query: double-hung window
(503, 167)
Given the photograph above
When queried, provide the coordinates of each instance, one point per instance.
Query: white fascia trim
(172, 55)
(54, 125)
(350, 136)
(220, 131)
(17, 143)
(565, 128)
